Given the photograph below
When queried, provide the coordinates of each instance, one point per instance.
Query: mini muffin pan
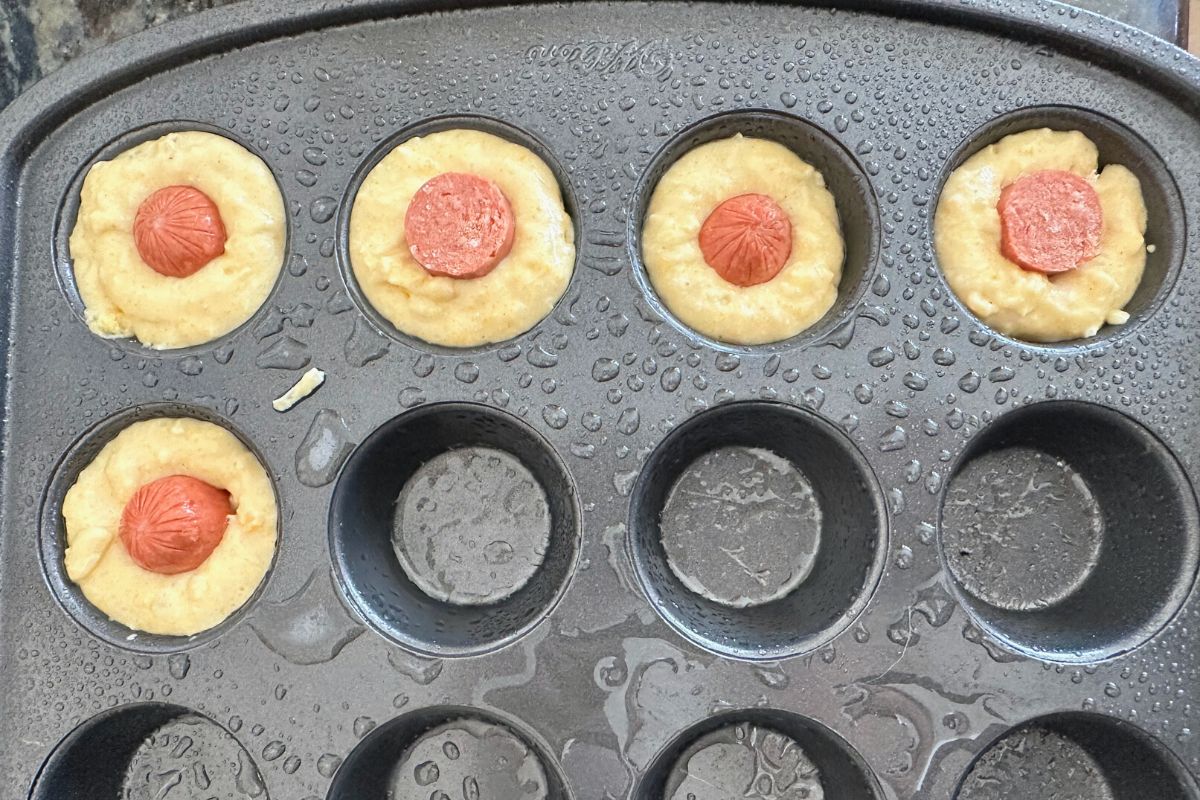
(1001, 598)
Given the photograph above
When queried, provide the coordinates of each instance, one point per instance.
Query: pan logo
(606, 58)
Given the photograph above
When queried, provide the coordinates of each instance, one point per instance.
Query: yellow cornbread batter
(123, 296)
(188, 602)
(1031, 305)
(687, 193)
(509, 300)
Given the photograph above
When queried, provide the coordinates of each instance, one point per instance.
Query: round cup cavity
(64, 269)
(844, 775)
(140, 742)
(845, 179)
(848, 560)
(368, 772)
(1076, 754)
(52, 529)
(1165, 220)
(1107, 597)
(425, 127)
(363, 509)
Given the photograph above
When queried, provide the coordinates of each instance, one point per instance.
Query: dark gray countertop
(38, 36)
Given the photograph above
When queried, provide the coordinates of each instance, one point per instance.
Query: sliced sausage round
(747, 239)
(1050, 221)
(178, 230)
(173, 524)
(459, 225)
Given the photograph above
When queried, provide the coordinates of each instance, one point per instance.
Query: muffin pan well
(803, 752)
(147, 750)
(876, 642)
(464, 750)
(1117, 143)
(68, 212)
(858, 211)
(52, 534)
(842, 543)
(1059, 508)
(1076, 755)
(386, 589)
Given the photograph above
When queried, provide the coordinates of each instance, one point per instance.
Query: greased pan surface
(893, 678)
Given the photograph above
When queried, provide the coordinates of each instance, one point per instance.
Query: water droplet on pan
(605, 369)
(422, 671)
(322, 209)
(311, 626)
(284, 353)
(178, 665)
(323, 449)
(365, 344)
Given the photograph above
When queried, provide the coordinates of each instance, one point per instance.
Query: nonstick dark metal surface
(892, 677)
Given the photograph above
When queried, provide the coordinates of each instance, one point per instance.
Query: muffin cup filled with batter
(159, 528)
(459, 233)
(984, 240)
(173, 241)
(754, 229)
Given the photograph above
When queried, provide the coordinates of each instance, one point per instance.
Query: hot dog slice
(459, 225)
(747, 239)
(178, 230)
(173, 524)
(1050, 221)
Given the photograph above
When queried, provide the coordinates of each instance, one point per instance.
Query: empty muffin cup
(757, 530)
(760, 752)
(471, 526)
(453, 528)
(1070, 531)
(741, 526)
(148, 750)
(1076, 756)
(449, 751)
